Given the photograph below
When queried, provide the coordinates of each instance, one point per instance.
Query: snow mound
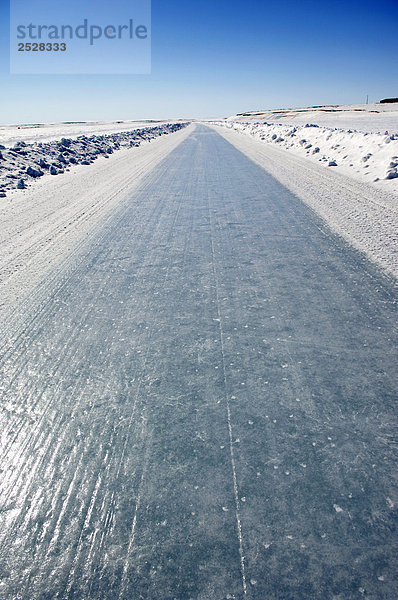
(23, 163)
(370, 157)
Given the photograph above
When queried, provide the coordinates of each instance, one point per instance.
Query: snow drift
(23, 163)
(366, 156)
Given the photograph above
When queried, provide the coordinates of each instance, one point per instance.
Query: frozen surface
(204, 405)
(371, 118)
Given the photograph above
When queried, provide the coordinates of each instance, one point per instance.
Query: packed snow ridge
(366, 156)
(22, 163)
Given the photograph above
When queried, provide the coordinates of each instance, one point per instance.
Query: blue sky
(216, 58)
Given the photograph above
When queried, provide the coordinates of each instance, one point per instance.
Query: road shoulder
(44, 227)
(364, 216)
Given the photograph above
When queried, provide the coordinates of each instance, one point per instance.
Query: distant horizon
(192, 118)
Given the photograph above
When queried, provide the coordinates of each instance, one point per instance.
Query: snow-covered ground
(24, 163)
(370, 157)
(363, 213)
(370, 118)
(48, 132)
(44, 227)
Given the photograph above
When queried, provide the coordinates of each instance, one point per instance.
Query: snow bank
(49, 132)
(23, 163)
(369, 157)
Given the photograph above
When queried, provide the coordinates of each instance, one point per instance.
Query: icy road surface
(204, 407)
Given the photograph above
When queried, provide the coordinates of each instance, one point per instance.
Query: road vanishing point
(204, 406)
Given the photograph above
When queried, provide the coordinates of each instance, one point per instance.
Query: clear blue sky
(216, 58)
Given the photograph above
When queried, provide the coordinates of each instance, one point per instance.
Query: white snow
(44, 226)
(24, 163)
(369, 157)
(365, 214)
(48, 132)
(370, 118)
